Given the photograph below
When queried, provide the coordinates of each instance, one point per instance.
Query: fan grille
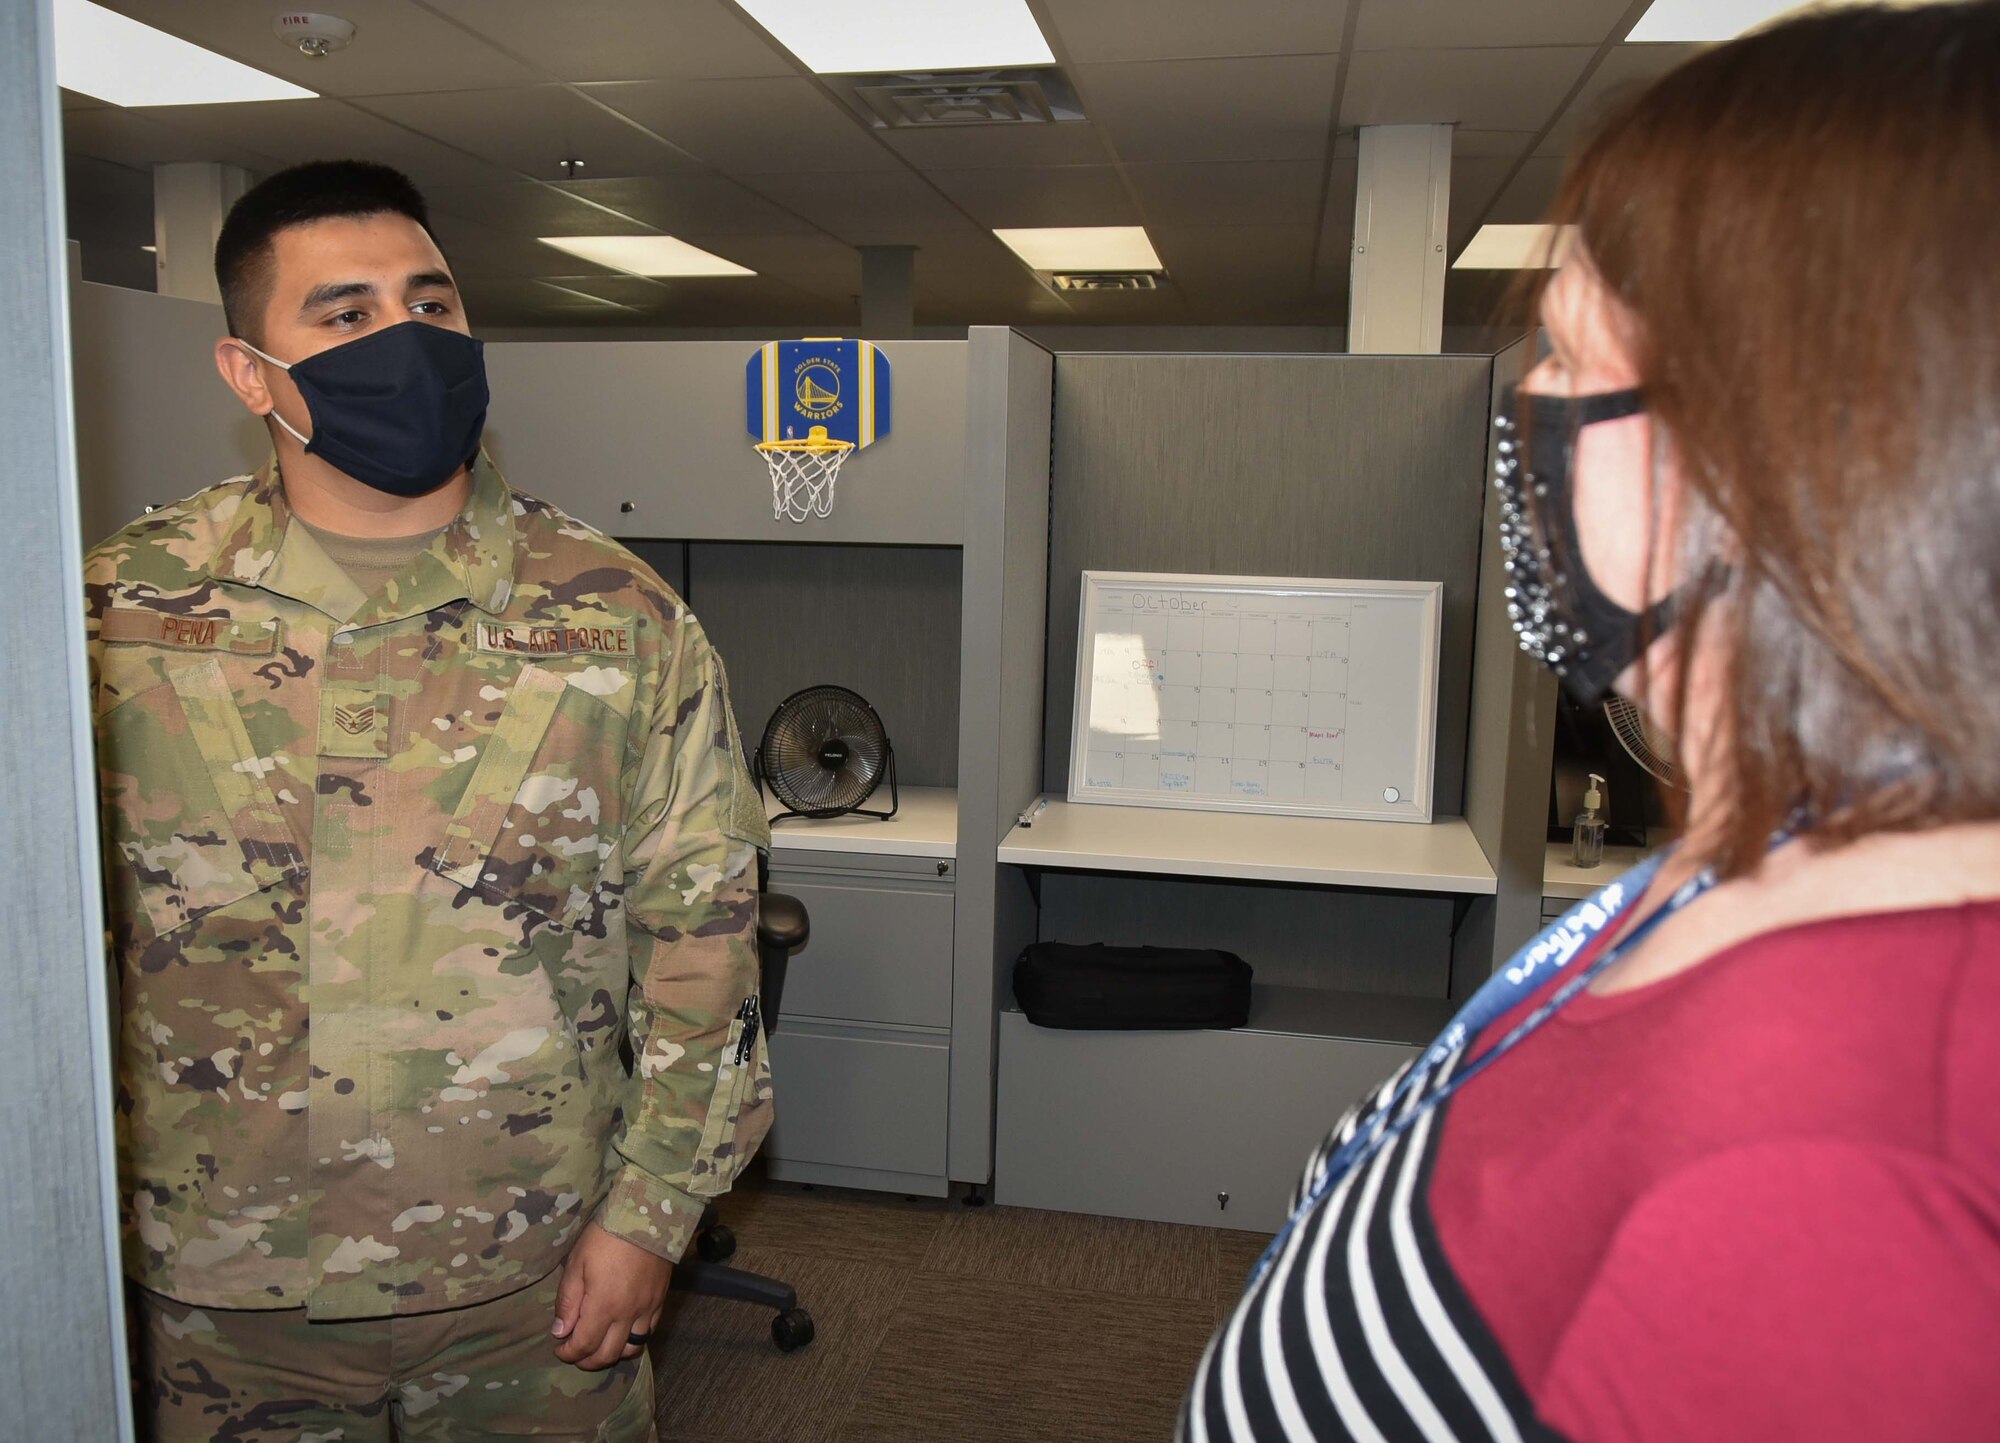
(1642, 742)
(824, 750)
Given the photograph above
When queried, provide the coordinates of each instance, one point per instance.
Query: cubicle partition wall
(922, 591)
(911, 593)
(1361, 932)
(944, 588)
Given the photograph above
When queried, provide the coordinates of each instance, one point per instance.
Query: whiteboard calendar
(1257, 694)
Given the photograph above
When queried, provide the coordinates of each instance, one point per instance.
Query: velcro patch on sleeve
(553, 638)
(189, 633)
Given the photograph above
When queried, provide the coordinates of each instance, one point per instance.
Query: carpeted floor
(941, 1322)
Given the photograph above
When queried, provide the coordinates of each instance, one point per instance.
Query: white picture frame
(1390, 630)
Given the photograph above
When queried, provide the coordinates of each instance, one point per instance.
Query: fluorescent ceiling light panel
(1706, 20)
(646, 255)
(1083, 248)
(854, 37)
(1514, 248)
(112, 57)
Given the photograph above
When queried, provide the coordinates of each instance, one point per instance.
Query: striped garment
(1359, 1329)
(1754, 1202)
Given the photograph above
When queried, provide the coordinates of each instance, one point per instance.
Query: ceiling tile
(142, 138)
(1267, 259)
(1478, 89)
(1066, 195)
(1268, 108)
(1509, 143)
(531, 128)
(871, 207)
(528, 208)
(1334, 257)
(974, 147)
(752, 127)
(1235, 193)
(1478, 298)
(812, 262)
(484, 251)
(1625, 70)
(1437, 24)
(1529, 195)
(681, 204)
(331, 130)
(625, 39)
(1099, 30)
(398, 46)
(1475, 181)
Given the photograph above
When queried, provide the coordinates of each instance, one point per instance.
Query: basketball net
(803, 472)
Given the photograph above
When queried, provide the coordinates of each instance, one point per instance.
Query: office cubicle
(944, 588)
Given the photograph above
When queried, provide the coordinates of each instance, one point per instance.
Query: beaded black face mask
(1565, 621)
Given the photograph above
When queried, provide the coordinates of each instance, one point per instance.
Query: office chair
(782, 929)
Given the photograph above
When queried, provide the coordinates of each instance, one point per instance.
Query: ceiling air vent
(1105, 280)
(961, 97)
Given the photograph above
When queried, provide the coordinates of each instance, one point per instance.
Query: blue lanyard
(1556, 947)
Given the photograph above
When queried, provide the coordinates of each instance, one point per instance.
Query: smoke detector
(315, 35)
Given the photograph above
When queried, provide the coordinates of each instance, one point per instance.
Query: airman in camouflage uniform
(433, 910)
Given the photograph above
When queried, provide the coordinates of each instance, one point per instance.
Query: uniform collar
(471, 560)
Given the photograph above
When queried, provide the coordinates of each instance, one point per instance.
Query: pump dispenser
(1587, 841)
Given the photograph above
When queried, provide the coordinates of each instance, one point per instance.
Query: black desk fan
(824, 753)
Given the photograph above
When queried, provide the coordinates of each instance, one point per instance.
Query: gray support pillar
(1402, 200)
(888, 292)
(62, 1363)
(189, 201)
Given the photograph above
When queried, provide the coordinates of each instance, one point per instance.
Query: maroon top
(1758, 1200)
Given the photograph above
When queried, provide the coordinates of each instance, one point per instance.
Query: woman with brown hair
(1718, 1157)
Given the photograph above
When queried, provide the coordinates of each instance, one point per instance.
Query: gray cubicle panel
(154, 422)
(1007, 441)
(1509, 755)
(1355, 467)
(599, 426)
(883, 621)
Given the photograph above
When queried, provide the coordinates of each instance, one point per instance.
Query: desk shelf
(925, 825)
(1563, 878)
(1314, 851)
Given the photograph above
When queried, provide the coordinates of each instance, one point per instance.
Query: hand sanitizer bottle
(1587, 842)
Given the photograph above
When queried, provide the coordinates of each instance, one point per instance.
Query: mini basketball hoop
(833, 391)
(803, 471)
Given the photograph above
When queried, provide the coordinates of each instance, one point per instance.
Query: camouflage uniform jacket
(433, 913)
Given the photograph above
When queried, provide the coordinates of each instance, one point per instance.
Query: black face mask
(400, 409)
(1565, 621)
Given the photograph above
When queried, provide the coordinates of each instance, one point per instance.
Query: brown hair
(1803, 230)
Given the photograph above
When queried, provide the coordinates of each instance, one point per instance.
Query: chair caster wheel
(791, 1331)
(717, 1245)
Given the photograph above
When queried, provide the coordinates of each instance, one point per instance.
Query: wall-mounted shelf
(1563, 878)
(925, 825)
(1315, 851)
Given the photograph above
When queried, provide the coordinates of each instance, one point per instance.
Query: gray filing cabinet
(862, 1055)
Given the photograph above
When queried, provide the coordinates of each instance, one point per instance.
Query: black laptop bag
(1095, 987)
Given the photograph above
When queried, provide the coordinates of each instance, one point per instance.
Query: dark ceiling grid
(1616, 37)
(622, 118)
(1210, 204)
(1322, 285)
(840, 103)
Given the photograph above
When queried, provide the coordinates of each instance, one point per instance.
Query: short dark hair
(317, 190)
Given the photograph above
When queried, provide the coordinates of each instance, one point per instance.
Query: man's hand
(610, 1289)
